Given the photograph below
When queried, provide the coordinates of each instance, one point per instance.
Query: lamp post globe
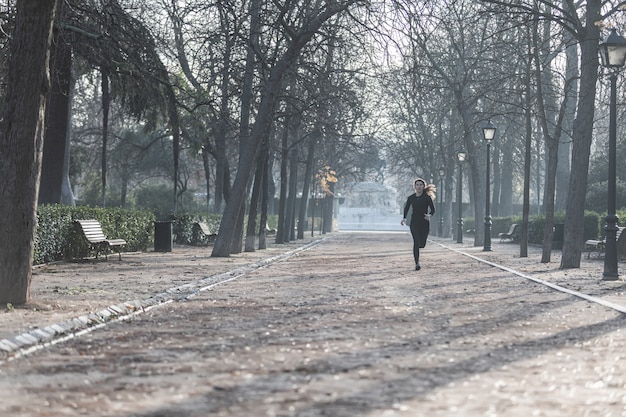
(613, 51)
(612, 56)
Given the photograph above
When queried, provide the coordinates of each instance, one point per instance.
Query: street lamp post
(459, 197)
(489, 131)
(442, 173)
(613, 56)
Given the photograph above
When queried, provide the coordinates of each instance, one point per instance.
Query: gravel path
(346, 328)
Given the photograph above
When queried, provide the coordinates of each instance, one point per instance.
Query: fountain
(370, 206)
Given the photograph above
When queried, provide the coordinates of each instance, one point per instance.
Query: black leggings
(419, 232)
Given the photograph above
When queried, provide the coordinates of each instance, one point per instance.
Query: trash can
(163, 238)
(558, 235)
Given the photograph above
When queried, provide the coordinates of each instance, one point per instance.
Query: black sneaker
(417, 267)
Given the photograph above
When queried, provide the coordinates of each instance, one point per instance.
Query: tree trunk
(254, 206)
(56, 136)
(545, 102)
(475, 184)
(582, 136)
(226, 235)
(506, 182)
(265, 198)
(497, 184)
(308, 176)
(237, 244)
(327, 209)
(571, 80)
(106, 103)
(293, 189)
(174, 122)
(281, 234)
(220, 173)
(523, 247)
(547, 113)
(207, 176)
(21, 145)
(67, 195)
(244, 130)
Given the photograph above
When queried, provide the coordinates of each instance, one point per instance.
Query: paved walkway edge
(608, 304)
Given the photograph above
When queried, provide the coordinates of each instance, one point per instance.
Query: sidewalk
(70, 296)
(342, 328)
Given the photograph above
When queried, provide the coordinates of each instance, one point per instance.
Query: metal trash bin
(163, 237)
(558, 236)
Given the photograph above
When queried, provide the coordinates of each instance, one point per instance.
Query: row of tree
(531, 67)
(244, 81)
(299, 93)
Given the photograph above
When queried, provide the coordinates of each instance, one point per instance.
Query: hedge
(593, 225)
(57, 237)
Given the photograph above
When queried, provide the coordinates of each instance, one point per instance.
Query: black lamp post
(613, 56)
(442, 173)
(459, 197)
(489, 131)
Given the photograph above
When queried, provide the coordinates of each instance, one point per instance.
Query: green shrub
(503, 224)
(57, 237)
(593, 225)
(53, 238)
(185, 234)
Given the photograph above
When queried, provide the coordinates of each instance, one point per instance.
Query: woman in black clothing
(422, 204)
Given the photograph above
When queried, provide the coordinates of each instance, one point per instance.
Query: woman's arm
(406, 211)
(406, 207)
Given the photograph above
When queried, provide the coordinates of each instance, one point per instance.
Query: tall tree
(583, 22)
(58, 120)
(308, 21)
(588, 38)
(21, 145)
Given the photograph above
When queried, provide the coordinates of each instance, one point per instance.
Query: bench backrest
(92, 230)
(512, 229)
(205, 228)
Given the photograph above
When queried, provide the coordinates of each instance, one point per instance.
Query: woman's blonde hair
(429, 189)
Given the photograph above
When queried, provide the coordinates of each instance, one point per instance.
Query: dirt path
(346, 328)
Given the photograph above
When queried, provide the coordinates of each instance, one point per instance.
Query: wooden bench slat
(599, 245)
(92, 231)
(512, 234)
(204, 230)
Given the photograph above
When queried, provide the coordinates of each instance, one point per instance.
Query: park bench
(599, 245)
(512, 234)
(203, 234)
(97, 240)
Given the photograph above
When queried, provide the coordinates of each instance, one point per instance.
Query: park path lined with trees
(240, 97)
